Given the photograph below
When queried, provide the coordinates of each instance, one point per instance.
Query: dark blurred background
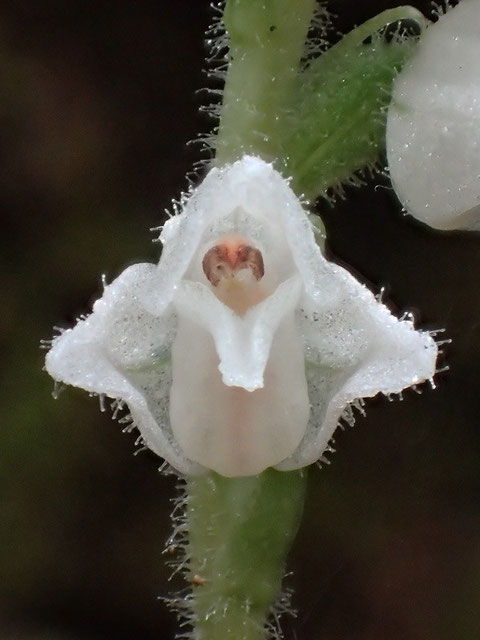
(97, 102)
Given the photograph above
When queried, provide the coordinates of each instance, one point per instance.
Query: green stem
(240, 531)
(266, 45)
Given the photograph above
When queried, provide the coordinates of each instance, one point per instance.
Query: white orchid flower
(243, 347)
(433, 124)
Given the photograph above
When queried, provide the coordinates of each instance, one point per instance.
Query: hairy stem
(266, 45)
(240, 531)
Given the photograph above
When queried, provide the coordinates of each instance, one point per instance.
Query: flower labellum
(433, 124)
(244, 346)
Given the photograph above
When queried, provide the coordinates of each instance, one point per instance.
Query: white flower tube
(242, 349)
(433, 125)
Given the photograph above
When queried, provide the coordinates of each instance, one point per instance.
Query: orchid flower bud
(243, 347)
(433, 125)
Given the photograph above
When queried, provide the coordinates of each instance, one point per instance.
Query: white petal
(433, 125)
(227, 428)
(122, 351)
(355, 349)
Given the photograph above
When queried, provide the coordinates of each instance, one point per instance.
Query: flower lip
(242, 337)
